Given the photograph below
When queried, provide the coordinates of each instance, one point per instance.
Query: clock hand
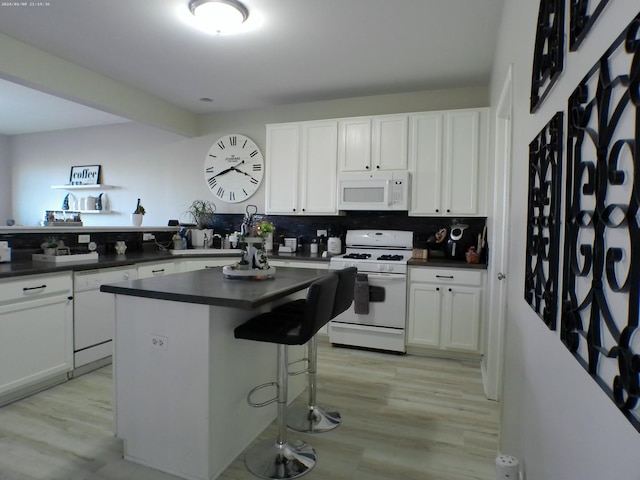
(244, 173)
(233, 167)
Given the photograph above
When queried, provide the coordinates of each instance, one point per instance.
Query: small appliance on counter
(5, 252)
(459, 241)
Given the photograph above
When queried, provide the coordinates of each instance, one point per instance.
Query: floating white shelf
(82, 187)
(95, 211)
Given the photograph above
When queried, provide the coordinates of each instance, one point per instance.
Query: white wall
(555, 418)
(166, 170)
(5, 180)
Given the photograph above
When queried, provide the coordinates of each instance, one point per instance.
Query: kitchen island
(181, 378)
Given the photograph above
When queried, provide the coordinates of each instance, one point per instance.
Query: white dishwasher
(94, 313)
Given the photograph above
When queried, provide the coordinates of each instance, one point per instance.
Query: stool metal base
(276, 461)
(304, 418)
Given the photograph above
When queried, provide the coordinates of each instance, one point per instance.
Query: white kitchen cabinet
(445, 308)
(156, 269)
(448, 162)
(301, 168)
(36, 340)
(373, 143)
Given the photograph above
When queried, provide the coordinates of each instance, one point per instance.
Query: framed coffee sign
(85, 175)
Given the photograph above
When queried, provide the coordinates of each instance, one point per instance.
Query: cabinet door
(425, 310)
(389, 142)
(461, 160)
(425, 164)
(354, 144)
(283, 155)
(461, 318)
(318, 195)
(36, 341)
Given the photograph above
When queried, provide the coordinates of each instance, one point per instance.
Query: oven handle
(387, 276)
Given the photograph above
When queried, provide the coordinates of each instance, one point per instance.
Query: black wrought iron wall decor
(582, 16)
(601, 277)
(543, 221)
(548, 53)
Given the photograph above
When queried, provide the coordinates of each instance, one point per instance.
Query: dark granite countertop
(26, 266)
(210, 287)
(445, 263)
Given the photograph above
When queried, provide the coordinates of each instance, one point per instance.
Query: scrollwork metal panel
(543, 221)
(600, 297)
(582, 16)
(548, 53)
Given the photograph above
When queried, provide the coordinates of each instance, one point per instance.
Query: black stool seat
(281, 459)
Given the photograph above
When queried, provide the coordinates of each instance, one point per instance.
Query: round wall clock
(233, 168)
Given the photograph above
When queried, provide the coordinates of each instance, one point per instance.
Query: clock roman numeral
(245, 143)
(212, 182)
(212, 156)
(221, 144)
(232, 196)
(233, 140)
(209, 170)
(254, 181)
(220, 192)
(257, 167)
(245, 192)
(253, 154)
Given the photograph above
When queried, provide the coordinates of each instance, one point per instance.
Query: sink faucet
(205, 243)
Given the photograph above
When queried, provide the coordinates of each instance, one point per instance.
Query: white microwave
(386, 190)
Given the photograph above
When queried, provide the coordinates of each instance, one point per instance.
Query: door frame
(492, 361)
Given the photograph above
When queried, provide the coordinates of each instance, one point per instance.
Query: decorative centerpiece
(254, 264)
(49, 246)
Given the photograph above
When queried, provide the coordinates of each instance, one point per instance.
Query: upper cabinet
(373, 143)
(448, 162)
(302, 168)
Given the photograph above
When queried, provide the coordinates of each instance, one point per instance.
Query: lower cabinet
(445, 308)
(36, 343)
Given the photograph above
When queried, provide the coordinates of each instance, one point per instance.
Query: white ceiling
(300, 51)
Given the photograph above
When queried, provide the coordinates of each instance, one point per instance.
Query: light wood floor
(404, 417)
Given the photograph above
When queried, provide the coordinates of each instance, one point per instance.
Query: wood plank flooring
(404, 417)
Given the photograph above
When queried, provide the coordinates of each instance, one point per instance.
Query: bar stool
(283, 459)
(312, 418)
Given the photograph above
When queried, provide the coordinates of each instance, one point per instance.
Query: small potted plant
(265, 230)
(138, 213)
(49, 246)
(202, 213)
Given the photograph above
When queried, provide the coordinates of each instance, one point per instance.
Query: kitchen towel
(361, 294)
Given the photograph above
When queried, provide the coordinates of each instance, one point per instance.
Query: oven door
(387, 306)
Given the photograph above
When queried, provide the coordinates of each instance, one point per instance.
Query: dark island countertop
(210, 287)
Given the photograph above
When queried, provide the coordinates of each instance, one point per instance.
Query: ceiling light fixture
(220, 15)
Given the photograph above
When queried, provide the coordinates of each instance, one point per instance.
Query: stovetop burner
(357, 256)
(394, 258)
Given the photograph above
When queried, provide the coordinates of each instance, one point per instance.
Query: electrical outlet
(84, 238)
(320, 233)
(148, 236)
(160, 342)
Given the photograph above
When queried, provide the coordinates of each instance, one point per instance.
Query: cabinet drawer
(147, 270)
(456, 276)
(33, 286)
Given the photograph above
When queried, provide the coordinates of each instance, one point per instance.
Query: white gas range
(377, 316)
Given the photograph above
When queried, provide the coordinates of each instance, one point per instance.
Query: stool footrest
(266, 402)
(298, 372)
